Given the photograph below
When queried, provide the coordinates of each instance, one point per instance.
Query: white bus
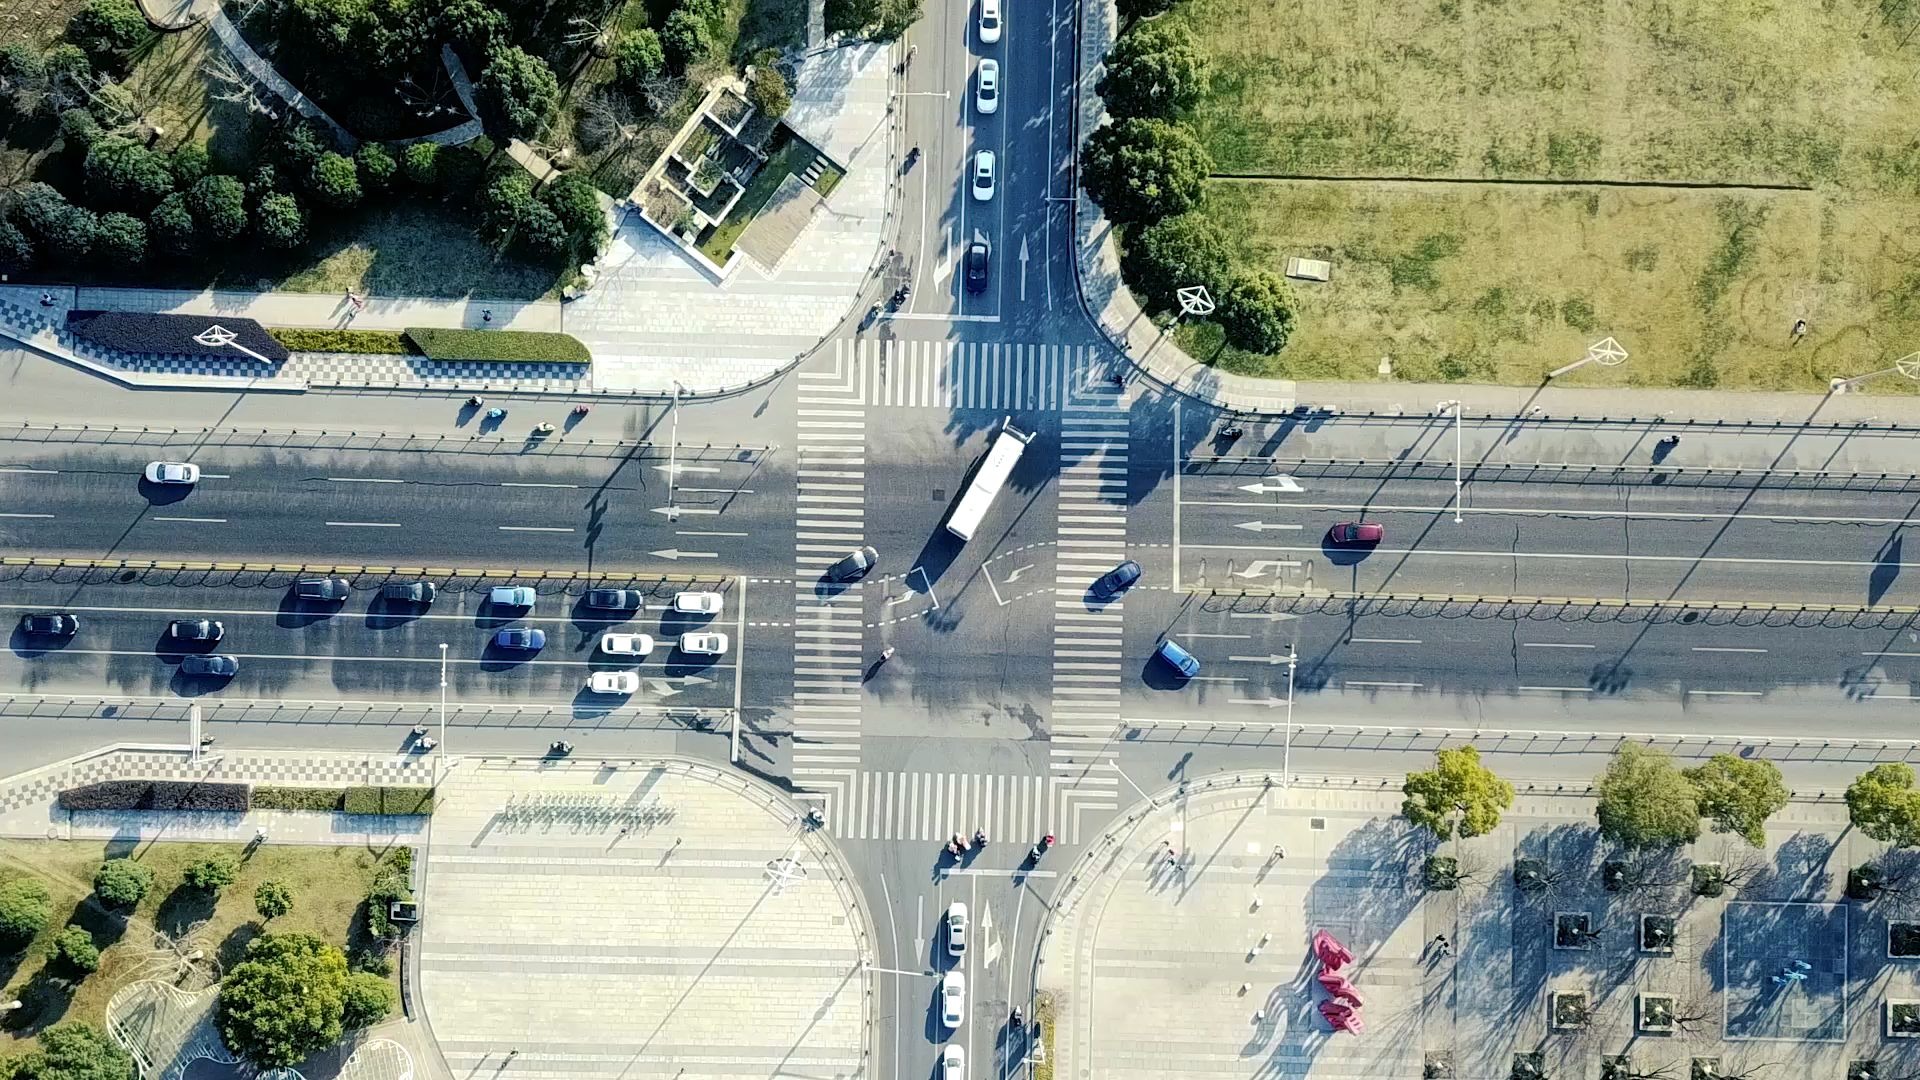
(1008, 443)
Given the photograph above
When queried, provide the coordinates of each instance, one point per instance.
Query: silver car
(986, 90)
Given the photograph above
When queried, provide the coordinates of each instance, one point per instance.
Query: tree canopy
(120, 239)
(75, 1051)
(122, 882)
(171, 229)
(1154, 70)
(637, 57)
(107, 30)
(123, 175)
(1739, 794)
(272, 899)
(1167, 255)
(1882, 803)
(1458, 796)
(25, 908)
(1645, 801)
(213, 873)
(219, 204)
(278, 223)
(1255, 308)
(517, 91)
(368, 999)
(1144, 170)
(1134, 10)
(685, 39)
(285, 1000)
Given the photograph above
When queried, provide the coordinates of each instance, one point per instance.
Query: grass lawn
(1498, 283)
(174, 90)
(328, 886)
(39, 23)
(417, 249)
(792, 156)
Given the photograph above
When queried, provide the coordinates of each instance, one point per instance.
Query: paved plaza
(662, 920)
(1780, 971)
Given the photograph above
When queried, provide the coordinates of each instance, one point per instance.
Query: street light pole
(1293, 663)
(673, 454)
(440, 759)
(1459, 419)
(1907, 367)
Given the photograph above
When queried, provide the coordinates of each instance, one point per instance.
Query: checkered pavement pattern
(43, 785)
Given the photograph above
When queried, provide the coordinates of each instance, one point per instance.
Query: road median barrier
(354, 570)
(1616, 602)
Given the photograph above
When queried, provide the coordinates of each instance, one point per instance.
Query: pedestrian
(260, 835)
(1279, 852)
(46, 299)
(486, 314)
(1172, 856)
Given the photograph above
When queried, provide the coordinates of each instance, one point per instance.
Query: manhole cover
(1317, 824)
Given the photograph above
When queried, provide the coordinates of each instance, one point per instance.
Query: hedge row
(342, 341)
(187, 795)
(156, 795)
(509, 346)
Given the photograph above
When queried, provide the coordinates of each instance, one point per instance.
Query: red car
(1358, 532)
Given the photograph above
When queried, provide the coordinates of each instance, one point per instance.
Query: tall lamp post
(1458, 419)
(1606, 352)
(440, 759)
(1907, 367)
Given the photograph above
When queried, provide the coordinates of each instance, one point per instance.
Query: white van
(1008, 444)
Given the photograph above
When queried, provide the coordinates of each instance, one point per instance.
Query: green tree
(685, 39)
(576, 203)
(1739, 794)
(263, 181)
(69, 75)
(421, 164)
(368, 1000)
(284, 1001)
(1882, 803)
(273, 898)
(300, 149)
(73, 948)
(123, 175)
(74, 1051)
(171, 229)
(120, 240)
(1168, 255)
(189, 163)
(1255, 308)
(1155, 70)
(78, 130)
(23, 79)
(1144, 170)
(219, 204)
(278, 223)
(539, 235)
(637, 58)
(335, 181)
(769, 92)
(107, 30)
(1132, 11)
(25, 909)
(1645, 801)
(16, 251)
(471, 23)
(60, 231)
(1457, 797)
(505, 204)
(517, 91)
(213, 873)
(123, 882)
(376, 166)
(114, 106)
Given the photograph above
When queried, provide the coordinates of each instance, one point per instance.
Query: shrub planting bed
(497, 345)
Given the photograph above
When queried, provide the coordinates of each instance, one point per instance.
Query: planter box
(1440, 873)
(1615, 1067)
(1705, 1068)
(1573, 930)
(1531, 1065)
(1657, 934)
(1653, 1013)
(1567, 1010)
(1903, 1018)
(1708, 879)
(1903, 940)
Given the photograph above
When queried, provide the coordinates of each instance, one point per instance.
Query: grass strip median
(510, 346)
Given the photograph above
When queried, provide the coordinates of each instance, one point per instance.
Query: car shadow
(27, 646)
(588, 705)
(1157, 674)
(172, 650)
(385, 614)
(163, 494)
(186, 685)
(295, 612)
(490, 424)
(686, 663)
(674, 623)
(468, 410)
(495, 658)
(1344, 554)
(1095, 600)
(489, 616)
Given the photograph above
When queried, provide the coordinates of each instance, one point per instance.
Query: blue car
(522, 638)
(1180, 659)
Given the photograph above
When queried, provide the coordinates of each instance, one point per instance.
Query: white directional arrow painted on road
(672, 512)
(1282, 482)
(1023, 268)
(676, 553)
(677, 468)
(1258, 568)
(664, 687)
(990, 950)
(1015, 576)
(1269, 702)
(1270, 658)
(1266, 526)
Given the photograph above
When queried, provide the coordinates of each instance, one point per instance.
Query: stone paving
(659, 920)
(1214, 946)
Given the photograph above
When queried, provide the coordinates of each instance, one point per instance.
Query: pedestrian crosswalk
(829, 632)
(975, 374)
(933, 806)
(1087, 631)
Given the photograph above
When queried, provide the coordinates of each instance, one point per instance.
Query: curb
(348, 570)
(1614, 602)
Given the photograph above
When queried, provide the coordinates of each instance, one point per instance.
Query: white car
(172, 472)
(613, 682)
(953, 1063)
(617, 644)
(953, 998)
(989, 21)
(983, 170)
(704, 643)
(986, 91)
(956, 928)
(697, 603)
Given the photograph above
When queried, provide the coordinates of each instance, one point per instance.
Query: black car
(1118, 579)
(329, 589)
(979, 262)
(49, 624)
(615, 599)
(854, 565)
(213, 665)
(205, 630)
(408, 592)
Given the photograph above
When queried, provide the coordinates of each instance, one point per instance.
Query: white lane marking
(1236, 637)
(1383, 641)
(510, 483)
(698, 532)
(361, 480)
(365, 524)
(506, 657)
(1716, 648)
(713, 491)
(1394, 685)
(1890, 654)
(196, 521)
(1558, 689)
(25, 515)
(1553, 645)
(216, 476)
(1892, 697)
(1727, 693)
(1582, 555)
(31, 472)
(236, 613)
(532, 528)
(1547, 511)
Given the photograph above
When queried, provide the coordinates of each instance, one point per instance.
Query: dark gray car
(212, 665)
(331, 590)
(49, 624)
(418, 593)
(615, 599)
(204, 630)
(854, 566)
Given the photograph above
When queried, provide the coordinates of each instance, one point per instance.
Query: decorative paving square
(1785, 971)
